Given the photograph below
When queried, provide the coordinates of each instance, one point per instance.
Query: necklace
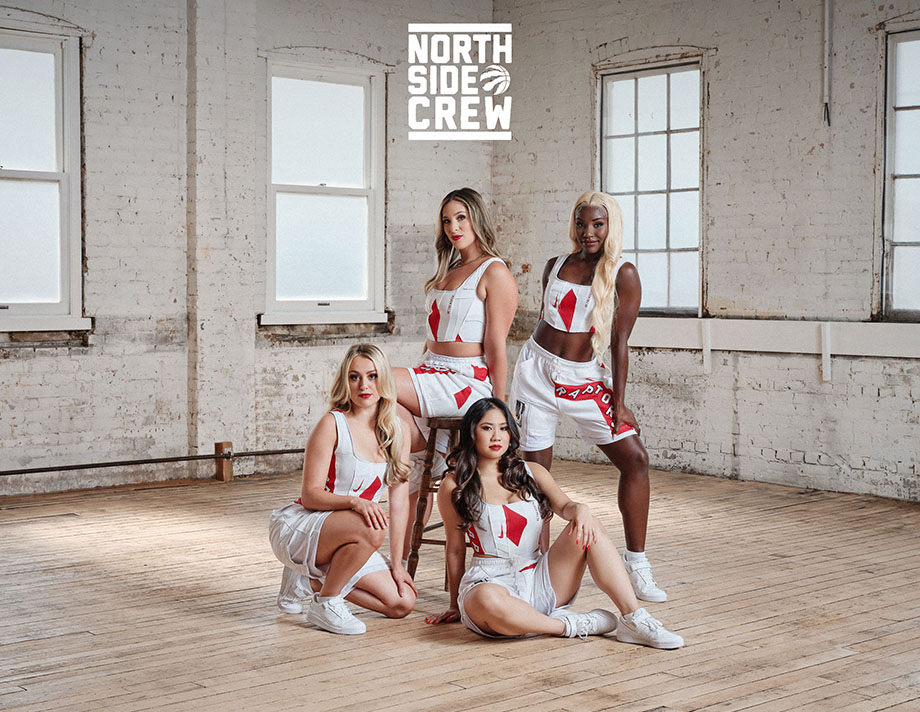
(469, 262)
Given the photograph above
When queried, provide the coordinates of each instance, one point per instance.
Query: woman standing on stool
(590, 300)
(328, 539)
(470, 302)
(511, 588)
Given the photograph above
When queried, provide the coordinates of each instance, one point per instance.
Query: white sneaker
(333, 615)
(596, 622)
(292, 593)
(640, 628)
(643, 583)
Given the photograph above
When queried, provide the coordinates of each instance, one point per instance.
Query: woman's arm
(455, 554)
(501, 296)
(399, 506)
(629, 296)
(313, 494)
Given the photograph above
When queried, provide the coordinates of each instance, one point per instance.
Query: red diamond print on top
(567, 309)
(480, 374)
(459, 339)
(514, 524)
(474, 540)
(434, 319)
(369, 493)
(461, 396)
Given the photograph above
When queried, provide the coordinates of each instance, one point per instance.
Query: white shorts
(526, 579)
(546, 386)
(447, 385)
(294, 535)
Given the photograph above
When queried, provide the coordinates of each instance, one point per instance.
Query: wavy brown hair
(479, 218)
(463, 464)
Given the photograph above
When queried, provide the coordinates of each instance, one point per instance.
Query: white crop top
(348, 474)
(458, 314)
(507, 530)
(567, 306)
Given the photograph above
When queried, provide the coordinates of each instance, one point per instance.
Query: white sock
(323, 599)
(634, 556)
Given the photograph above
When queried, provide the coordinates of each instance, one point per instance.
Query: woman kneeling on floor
(328, 539)
(511, 588)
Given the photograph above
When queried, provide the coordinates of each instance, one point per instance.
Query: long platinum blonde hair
(481, 221)
(603, 286)
(388, 428)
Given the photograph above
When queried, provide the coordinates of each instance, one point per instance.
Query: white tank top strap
(343, 433)
(557, 265)
(481, 270)
(620, 262)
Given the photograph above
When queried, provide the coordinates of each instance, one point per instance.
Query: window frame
(891, 39)
(66, 314)
(371, 310)
(638, 66)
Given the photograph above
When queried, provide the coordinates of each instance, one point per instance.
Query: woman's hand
(624, 416)
(451, 615)
(584, 526)
(375, 517)
(403, 580)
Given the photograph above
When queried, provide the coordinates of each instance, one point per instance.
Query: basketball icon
(495, 78)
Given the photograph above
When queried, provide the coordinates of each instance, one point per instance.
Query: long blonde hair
(603, 286)
(388, 427)
(481, 221)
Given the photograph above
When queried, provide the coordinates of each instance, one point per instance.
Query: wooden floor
(163, 599)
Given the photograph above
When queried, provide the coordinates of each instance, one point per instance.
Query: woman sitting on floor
(512, 589)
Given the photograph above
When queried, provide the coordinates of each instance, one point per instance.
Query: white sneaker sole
(625, 637)
(652, 597)
(290, 606)
(324, 625)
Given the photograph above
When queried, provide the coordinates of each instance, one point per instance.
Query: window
(326, 188)
(650, 161)
(902, 177)
(40, 241)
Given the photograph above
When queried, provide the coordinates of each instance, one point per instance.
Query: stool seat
(426, 487)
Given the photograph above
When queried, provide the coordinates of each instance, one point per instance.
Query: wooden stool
(426, 487)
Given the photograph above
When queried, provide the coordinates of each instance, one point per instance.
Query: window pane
(317, 133)
(906, 211)
(685, 100)
(907, 141)
(27, 111)
(628, 208)
(653, 103)
(907, 76)
(685, 160)
(619, 165)
(620, 109)
(30, 242)
(653, 162)
(685, 279)
(684, 219)
(905, 284)
(652, 215)
(321, 250)
(653, 273)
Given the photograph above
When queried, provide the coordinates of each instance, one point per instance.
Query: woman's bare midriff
(571, 347)
(457, 349)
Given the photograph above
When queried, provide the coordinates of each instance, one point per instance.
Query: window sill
(45, 323)
(330, 317)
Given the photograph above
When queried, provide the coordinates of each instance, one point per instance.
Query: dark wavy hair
(463, 464)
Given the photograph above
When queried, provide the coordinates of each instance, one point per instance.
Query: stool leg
(421, 506)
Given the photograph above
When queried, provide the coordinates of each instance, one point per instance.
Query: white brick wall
(176, 361)
(174, 266)
(790, 208)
